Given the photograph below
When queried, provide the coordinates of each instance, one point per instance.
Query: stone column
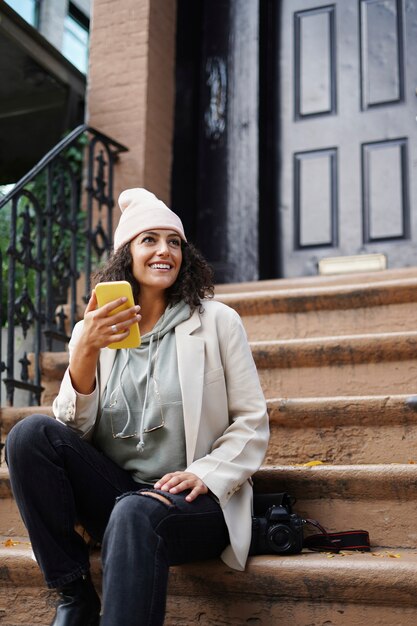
(130, 93)
(242, 145)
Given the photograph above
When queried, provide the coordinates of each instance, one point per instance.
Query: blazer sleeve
(240, 450)
(70, 407)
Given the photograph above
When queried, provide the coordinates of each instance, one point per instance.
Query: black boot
(79, 604)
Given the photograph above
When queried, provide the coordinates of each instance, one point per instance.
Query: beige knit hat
(141, 210)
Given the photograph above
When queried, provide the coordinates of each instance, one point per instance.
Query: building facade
(281, 131)
(43, 64)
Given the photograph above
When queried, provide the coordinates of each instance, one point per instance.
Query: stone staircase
(338, 362)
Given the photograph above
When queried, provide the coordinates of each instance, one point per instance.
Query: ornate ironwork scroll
(57, 229)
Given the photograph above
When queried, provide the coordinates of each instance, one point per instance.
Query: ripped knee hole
(158, 496)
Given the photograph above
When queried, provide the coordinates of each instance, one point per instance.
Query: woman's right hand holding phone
(99, 330)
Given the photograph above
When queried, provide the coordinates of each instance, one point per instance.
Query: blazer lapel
(190, 351)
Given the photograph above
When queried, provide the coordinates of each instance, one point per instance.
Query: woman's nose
(163, 248)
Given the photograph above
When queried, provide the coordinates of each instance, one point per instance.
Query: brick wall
(161, 97)
(130, 92)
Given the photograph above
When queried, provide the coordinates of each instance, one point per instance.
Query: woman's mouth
(160, 266)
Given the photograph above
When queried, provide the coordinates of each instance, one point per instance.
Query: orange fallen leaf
(10, 543)
(312, 463)
(391, 555)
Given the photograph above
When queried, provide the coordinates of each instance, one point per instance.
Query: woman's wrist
(83, 368)
(82, 384)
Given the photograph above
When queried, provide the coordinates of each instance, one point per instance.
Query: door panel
(314, 50)
(382, 45)
(386, 208)
(315, 185)
(347, 135)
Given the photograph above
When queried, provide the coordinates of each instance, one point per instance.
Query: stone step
(381, 499)
(310, 588)
(349, 429)
(53, 366)
(366, 364)
(329, 310)
(11, 523)
(352, 365)
(9, 416)
(24, 599)
(307, 589)
(356, 278)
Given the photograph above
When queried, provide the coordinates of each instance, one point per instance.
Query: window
(28, 9)
(75, 40)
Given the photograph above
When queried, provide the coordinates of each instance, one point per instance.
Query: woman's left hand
(175, 482)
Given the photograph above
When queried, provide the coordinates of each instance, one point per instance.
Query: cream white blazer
(225, 417)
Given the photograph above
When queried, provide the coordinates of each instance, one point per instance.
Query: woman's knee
(139, 509)
(25, 434)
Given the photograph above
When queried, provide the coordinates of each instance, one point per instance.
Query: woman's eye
(175, 242)
(147, 239)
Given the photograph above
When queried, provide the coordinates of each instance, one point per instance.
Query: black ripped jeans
(58, 479)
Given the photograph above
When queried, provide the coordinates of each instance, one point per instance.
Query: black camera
(275, 528)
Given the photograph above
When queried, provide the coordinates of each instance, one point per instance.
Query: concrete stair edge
(346, 349)
(378, 347)
(342, 410)
(358, 278)
(380, 577)
(11, 415)
(332, 494)
(377, 481)
(335, 297)
(361, 481)
(294, 412)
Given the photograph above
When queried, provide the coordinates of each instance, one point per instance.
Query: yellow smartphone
(107, 292)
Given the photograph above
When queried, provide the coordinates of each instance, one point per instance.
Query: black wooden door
(346, 101)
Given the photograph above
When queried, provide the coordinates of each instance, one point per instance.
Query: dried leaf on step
(391, 555)
(10, 543)
(312, 463)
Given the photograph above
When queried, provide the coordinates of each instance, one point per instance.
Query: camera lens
(280, 538)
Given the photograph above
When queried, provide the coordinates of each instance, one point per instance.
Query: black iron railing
(60, 225)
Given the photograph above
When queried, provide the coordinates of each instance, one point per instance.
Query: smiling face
(156, 259)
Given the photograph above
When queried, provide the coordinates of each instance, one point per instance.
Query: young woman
(152, 448)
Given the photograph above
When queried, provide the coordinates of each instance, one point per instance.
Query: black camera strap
(335, 542)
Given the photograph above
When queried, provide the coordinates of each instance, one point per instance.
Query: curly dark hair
(194, 281)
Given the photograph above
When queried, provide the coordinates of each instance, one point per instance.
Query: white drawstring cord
(140, 446)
